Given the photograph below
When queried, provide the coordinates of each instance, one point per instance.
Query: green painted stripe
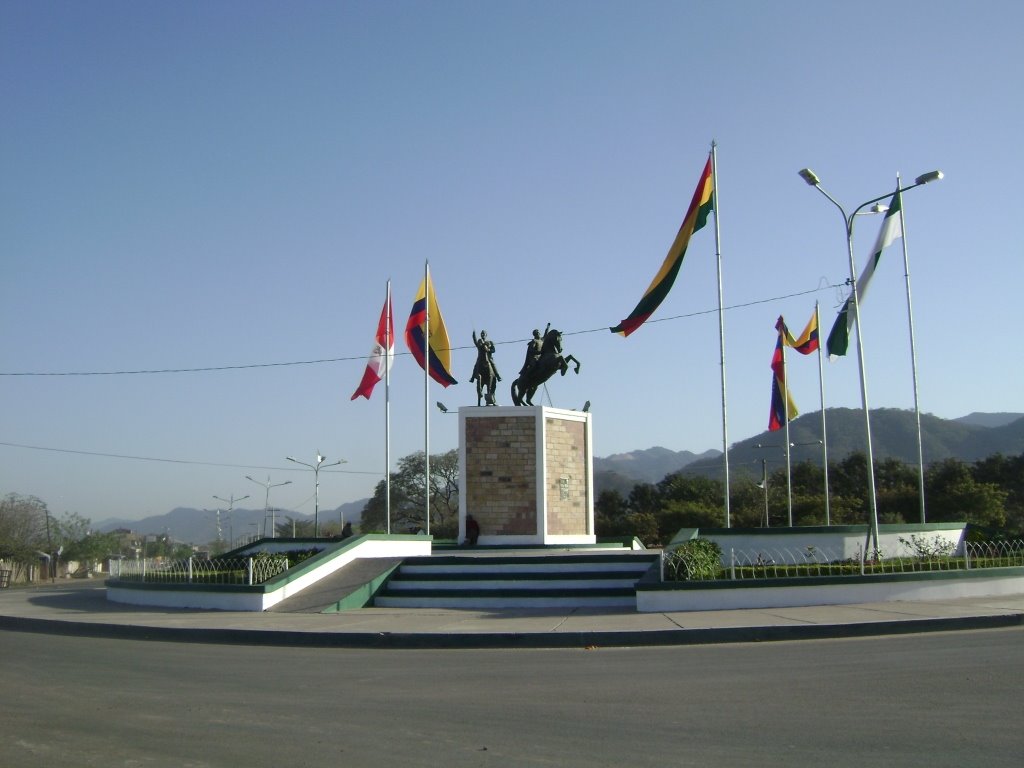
(491, 592)
(526, 576)
(530, 559)
(818, 581)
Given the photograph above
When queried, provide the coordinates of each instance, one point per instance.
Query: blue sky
(214, 184)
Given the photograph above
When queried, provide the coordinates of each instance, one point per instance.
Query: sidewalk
(81, 608)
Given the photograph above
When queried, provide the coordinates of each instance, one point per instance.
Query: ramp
(349, 587)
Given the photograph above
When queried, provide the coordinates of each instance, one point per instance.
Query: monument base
(526, 475)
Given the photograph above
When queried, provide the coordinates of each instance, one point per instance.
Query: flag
(383, 353)
(696, 216)
(808, 340)
(779, 412)
(892, 227)
(440, 352)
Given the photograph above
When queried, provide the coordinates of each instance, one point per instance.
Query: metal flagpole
(913, 352)
(824, 434)
(721, 329)
(388, 342)
(785, 405)
(426, 389)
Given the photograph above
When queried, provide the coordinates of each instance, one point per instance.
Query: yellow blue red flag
(439, 348)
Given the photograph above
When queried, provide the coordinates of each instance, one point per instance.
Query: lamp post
(789, 489)
(764, 485)
(812, 179)
(231, 506)
(266, 503)
(316, 481)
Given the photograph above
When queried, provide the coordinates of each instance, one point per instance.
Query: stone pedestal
(526, 475)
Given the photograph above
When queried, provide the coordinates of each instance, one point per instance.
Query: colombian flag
(696, 216)
(440, 349)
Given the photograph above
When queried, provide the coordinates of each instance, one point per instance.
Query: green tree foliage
(408, 497)
(952, 494)
(22, 528)
(1007, 473)
(79, 543)
(990, 493)
(615, 519)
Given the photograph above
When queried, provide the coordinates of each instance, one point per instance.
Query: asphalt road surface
(947, 699)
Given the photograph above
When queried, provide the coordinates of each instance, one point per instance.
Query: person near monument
(472, 530)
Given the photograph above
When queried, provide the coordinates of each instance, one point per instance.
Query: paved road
(941, 699)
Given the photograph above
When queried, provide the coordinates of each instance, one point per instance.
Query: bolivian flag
(696, 216)
(440, 349)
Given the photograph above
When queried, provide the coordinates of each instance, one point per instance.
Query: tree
(1007, 472)
(897, 492)
(408, 497)
(91, 549)
(613, 518)
(953, 495)
(23, 534)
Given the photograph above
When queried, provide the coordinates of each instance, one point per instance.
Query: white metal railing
(915, 556)
(194, 570)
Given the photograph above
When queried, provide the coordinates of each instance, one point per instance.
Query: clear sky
(215, 184)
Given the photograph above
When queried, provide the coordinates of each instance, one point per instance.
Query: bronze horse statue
(536, 373)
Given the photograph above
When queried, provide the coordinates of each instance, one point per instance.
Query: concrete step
(516, 581)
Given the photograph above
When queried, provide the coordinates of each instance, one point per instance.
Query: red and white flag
(383, 353)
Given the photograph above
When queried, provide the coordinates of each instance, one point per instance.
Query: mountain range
(200, 527)
(893, 435)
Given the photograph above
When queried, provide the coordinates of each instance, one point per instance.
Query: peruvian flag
(383, 353)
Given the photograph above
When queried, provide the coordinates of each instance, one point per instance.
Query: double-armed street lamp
(316, 480)
(812, 179)
(266, 504)
(231, 506)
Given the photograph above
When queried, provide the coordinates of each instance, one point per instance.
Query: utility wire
(181, 461)
(210, 369)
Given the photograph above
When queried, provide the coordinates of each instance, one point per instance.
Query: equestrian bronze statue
(543, 359)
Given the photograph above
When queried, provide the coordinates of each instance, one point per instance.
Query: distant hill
(197, 526)
(989, 419)
(649, 465)
(893, 435)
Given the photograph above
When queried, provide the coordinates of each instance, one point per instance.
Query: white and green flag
(892, 227)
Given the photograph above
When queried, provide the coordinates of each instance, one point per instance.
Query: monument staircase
(525, 579)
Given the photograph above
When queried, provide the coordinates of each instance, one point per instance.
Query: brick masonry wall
(501, 474)
(565, 449)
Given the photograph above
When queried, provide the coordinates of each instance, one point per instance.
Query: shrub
(697, 559)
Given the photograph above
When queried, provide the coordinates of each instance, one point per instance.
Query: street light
(789, 482)
(812, 179)
(231, 506)
(764, 485)
(316, 480)
(266, 504)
